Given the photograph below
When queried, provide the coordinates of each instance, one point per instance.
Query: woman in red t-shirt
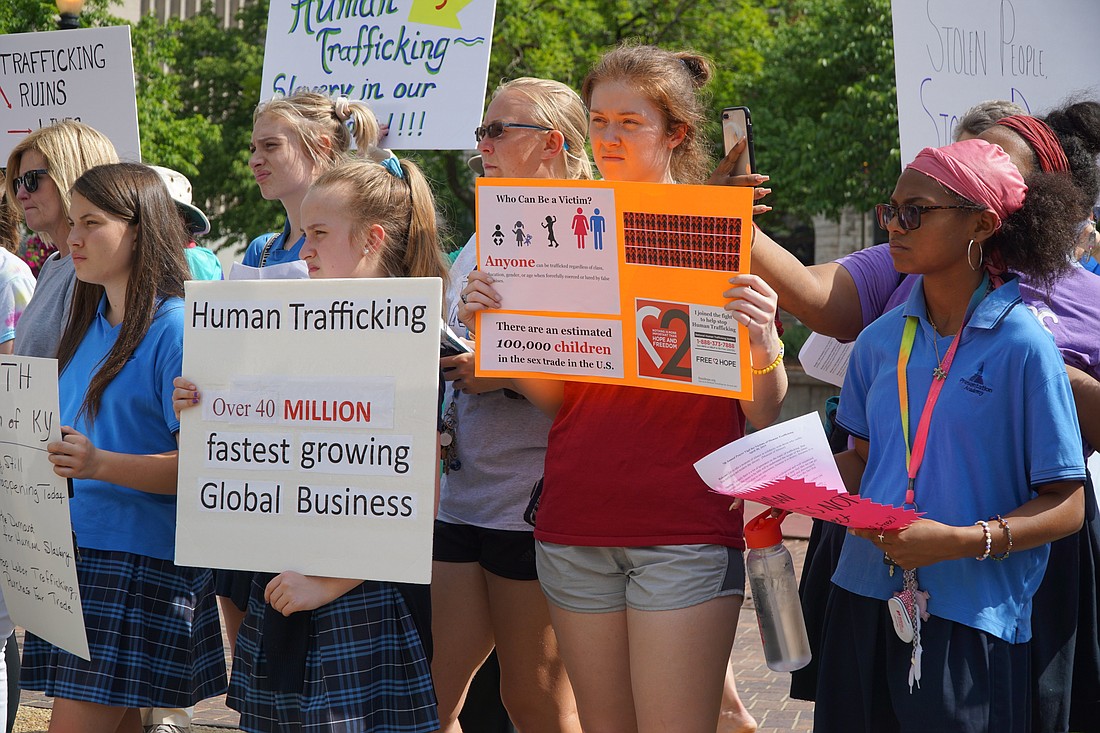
(641, 564)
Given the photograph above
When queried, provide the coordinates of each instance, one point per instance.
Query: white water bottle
(770, 569)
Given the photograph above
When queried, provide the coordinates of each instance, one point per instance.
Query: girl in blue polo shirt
(152, 626)
(335, 654)
(961, 407)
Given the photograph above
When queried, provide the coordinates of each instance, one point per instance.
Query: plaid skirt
(153, 634)
(365, 670)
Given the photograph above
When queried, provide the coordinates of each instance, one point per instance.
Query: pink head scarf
(978, 171)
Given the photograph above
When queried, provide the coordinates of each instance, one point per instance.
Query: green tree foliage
(561, 39)
(171, 134)
(824, 109)
(818, 75)
(219, 70)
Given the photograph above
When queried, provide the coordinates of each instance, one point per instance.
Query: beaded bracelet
(770, 367)
(1008, 535)
(988, 539)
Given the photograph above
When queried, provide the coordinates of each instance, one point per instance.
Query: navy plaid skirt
(153, 634)
(365, 670)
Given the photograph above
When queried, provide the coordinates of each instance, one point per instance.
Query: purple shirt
(1071, 312)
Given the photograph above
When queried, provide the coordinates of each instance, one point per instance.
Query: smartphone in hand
(737, 124)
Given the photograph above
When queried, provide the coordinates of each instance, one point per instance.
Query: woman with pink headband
(961, 408)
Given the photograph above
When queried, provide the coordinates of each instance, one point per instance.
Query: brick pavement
(763, 691)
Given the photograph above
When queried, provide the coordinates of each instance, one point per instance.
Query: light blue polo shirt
(277, 255)
(135, 416)
(1005, 422)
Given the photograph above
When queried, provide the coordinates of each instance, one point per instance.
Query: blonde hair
(316, 117)
(9, 219)
(70, 148)
(556, 106)
(403, 207)
(670, 80)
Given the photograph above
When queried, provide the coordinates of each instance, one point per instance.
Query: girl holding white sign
(152, 626)
(294, 140)
(642, 565)
(333, 654)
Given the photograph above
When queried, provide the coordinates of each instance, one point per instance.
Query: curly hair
(1038, 240)
(1077, 126)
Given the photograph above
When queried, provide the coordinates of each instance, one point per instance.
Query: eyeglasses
(909, 214)
(496, 129)
(29, 180)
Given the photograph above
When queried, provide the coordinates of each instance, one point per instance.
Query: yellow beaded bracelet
(770, 367)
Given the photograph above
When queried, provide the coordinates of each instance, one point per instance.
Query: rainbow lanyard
(915, 455)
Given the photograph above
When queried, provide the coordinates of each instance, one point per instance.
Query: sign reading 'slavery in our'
(421, 65)
(85, 75)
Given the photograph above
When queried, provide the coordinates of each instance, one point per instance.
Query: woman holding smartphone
(642, 564)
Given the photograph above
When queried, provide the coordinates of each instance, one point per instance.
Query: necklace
(938, 372)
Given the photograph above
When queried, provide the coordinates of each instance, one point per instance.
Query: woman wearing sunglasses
(960, 407)
(485, 592)
(42, 168)
(841, 298)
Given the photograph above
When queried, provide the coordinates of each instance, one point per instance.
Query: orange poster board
(618, 283)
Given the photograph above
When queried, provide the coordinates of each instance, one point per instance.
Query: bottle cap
(764, 530)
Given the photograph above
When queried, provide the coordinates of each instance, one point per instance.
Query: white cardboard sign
(37, 562)
(84, 74)
(950, 55)
(421, 65)
(314, 447)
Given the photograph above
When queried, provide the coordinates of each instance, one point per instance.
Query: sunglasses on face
(496, 129)
(909, 214)
(29, 180)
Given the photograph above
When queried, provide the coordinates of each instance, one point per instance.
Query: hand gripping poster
(611, 282)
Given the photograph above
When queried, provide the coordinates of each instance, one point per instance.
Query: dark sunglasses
(496, 129)
(909, 214)
(29, 180)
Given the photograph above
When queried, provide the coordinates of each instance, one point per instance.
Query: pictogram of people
(599, 226)
(580, 227)
(549, 227)
(521, 237)
(498, 236)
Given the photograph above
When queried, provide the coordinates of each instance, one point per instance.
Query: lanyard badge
(909, 606)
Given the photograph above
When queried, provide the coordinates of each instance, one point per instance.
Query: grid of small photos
(677, 240)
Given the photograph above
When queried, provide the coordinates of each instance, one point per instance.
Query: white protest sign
(37, 567)
(950, 55)
(314, 447)
(421, 65)
(85, 75)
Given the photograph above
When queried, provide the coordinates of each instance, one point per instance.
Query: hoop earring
(981, 255)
